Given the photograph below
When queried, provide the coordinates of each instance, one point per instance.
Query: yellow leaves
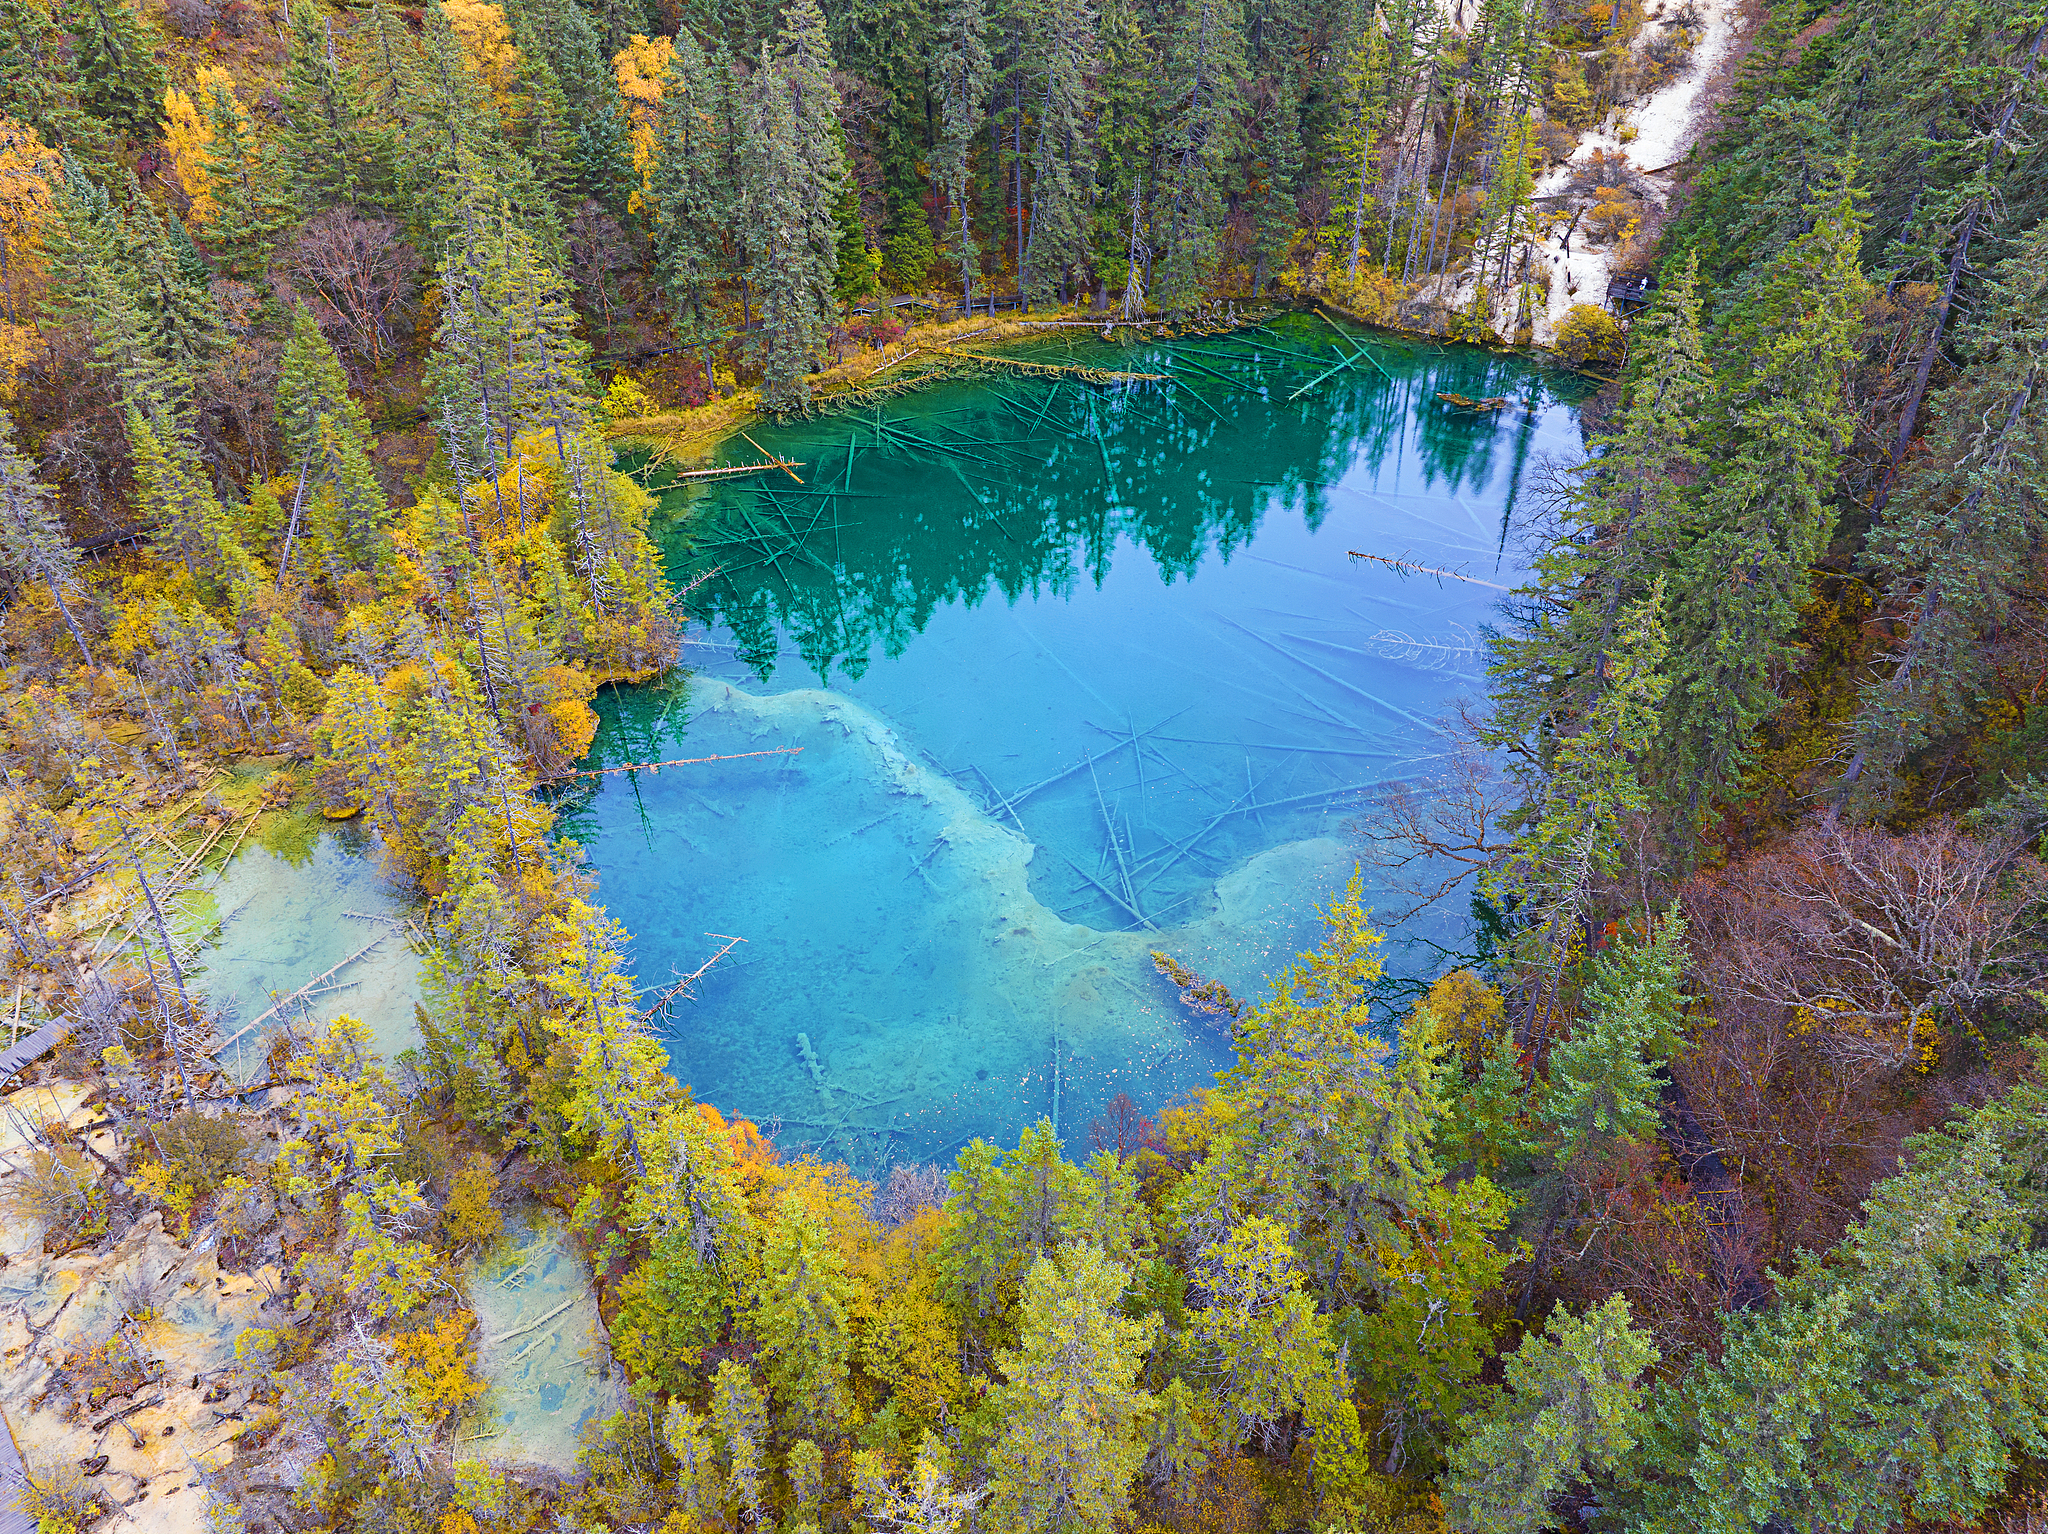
(533, 488)
(1614, 209)
(468, 1217)
(158, 1182)
(522, 494)
(830, 1194)
(564, 697)
(437, 1366)
(1461, 1012)
(626, 399)
(638, 69)
(1913, 1042)
(394, 1276)
(487, 47)
(1589, 334)
(189, 136)
(134, 631)
(28, 171)
(1185, 1130)
(903, 1339)
(457, 1521)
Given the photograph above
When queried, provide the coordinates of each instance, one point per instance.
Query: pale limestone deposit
(145, 1452)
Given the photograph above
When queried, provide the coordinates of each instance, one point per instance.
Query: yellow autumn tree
(639, 68)
(188, 135)
(487, 45)
(437, 1365)
(28, 170)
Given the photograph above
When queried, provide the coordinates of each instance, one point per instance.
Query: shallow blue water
(286, 921)
(1076, 674)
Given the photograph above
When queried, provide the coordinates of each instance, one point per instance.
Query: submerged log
(734, 470)
(1460, 402)
(1052, 369)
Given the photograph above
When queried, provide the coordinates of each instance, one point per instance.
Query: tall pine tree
(1764, 512)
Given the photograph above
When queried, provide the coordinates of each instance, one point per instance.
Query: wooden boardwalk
(27, 1052)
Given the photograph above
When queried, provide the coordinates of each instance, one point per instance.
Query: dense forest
(1708, 1193)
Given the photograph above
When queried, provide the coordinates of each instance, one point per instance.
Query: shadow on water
(1076, 673)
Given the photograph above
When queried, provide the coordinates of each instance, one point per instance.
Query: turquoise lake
(1077, 673)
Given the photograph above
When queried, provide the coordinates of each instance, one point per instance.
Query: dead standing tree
(1433, 831)
(1830, 962)
(1870, 941)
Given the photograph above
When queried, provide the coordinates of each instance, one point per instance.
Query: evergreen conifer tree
(1764, 512)
(1206, 61)
(1276, 163)
(1967, 515)
(1603, 1086)
(1262, 1342)
(39, 85)
(1360, 121)
(1071, 1411)
(896, 45)
(1062, 155)
(699, 1486)
(1572, 1405)
(592, 117)
(691, 190)
(1902, 1378)
(330, 155)
(120, 81)
(741, 1422)
(800, 1317)
(248, 211)
(32, 542)
(1625, 523)
(961, 75)
(186, 328)
(327, 438)
(1576, 836)
(1325, 1138)
(794, 173)
(174, 493)
(549, 139)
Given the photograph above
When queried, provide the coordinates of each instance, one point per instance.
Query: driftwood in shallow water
(735, 470)
(939, 364)
(1459, 401)
(1439, 573)
(301, 992)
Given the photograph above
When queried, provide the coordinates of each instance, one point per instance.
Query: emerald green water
(1076, 674)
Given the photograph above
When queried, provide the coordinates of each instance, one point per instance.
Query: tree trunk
(1958, 263)
(1442, 191)
(163, 933)
(1962, 518)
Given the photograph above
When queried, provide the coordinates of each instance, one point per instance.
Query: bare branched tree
(1867, 940)
(359, 276)
(1431, 832)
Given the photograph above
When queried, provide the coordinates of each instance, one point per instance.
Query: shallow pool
(1076, 674)
(303, 939)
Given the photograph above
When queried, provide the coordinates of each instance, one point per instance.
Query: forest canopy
(1703, 1192)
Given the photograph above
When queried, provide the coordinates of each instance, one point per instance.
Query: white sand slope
(1666, 124)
